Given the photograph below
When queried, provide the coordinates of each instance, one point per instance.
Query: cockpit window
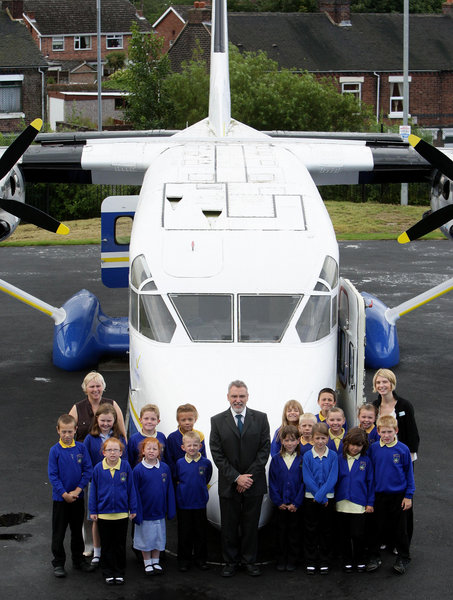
(314, 322)
(155, 320)
(329, 271)
(139, 271)
(206, 317)
(265, 318)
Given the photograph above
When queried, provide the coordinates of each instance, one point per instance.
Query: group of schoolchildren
(336, 492)
(146, 481)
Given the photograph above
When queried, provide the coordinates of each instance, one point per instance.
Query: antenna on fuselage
(219, 88)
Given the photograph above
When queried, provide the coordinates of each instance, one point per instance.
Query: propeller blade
(33, 215)
(13, 153)
(427, 224)
(434, 156)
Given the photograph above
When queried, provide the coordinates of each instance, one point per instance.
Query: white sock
(154, 561)
(147, 562)
(96, 552)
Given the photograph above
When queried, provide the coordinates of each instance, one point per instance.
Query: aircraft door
(117, 214)
(351, 350)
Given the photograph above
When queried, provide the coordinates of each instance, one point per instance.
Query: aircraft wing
(331, 158)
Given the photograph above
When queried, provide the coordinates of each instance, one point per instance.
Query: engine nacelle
(12, 186)
(441, 195)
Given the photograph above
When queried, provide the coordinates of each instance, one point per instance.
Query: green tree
(389, 6)
(266, 98)
(142, 77)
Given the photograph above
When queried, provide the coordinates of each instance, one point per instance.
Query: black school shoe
(400, 565)
(59, 572)
(84, 567)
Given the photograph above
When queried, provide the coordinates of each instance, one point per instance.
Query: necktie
(240, 423)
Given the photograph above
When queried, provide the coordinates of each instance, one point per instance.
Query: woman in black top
(389, 403)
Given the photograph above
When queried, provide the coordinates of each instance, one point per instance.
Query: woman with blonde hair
(83, 412)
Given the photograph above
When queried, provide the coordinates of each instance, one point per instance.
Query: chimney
(200, 13)
(447, 8)
(338, 11)
(14, 7)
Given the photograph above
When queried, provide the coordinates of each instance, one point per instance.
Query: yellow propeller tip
(403, 238)
(62, 229)
(413, 140)
(37, 124)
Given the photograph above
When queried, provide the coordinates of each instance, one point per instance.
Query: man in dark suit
(240, 445)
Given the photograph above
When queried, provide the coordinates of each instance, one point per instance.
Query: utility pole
(404, 186)
(98, 14)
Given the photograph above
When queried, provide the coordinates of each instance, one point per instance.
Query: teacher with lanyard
(240, 445)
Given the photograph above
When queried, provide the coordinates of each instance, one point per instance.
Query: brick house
(22, 76)
(65, 33)
(170, 24)
(362, 52)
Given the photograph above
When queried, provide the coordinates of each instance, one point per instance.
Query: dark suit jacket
(235, 454)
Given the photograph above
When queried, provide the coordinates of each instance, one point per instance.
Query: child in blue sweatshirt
(105, 426)
(112, 503)
(69, 471)
(156, 500)
(193, 473)
(395, 486)
(367, 417)
(186, 415)
(320, 472)
(286, 490)
(149, 420)
(354, 495)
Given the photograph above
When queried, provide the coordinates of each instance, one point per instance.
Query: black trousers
(113, 546)
(240, 515)
(389, 524)
(288, 535)
(351, 528)
(64, 514)
(318, 521)
(192, 534)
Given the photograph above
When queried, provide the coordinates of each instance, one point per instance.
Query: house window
(58, 44)
(396, 96)
(113, 42)
(352, 85)
(82, 42)
(11, 93)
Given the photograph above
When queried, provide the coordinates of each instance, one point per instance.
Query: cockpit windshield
(206, 317)
(265, 318)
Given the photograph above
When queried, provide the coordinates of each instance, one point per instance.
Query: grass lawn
(352, 221)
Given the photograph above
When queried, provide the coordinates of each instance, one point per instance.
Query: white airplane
(233, 264)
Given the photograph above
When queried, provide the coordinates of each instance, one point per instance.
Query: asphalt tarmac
(34, 393)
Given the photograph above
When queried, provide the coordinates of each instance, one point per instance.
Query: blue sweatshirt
(155, 493)
(393, 472)
(112, 494)
(68, 468)
(286, 485)
(320, 475)
(192, 483)
(174, 451)
(93, 443)
(357, 484)
(134, 442)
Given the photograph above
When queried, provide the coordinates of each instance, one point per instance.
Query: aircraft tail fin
(219, 89)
